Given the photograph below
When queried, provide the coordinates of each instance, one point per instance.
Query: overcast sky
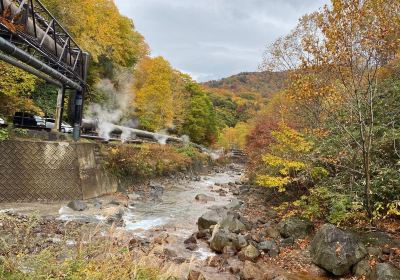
(211, 39)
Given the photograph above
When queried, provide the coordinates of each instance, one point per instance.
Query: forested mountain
(265, 82)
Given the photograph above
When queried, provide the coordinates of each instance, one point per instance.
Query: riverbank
(208, 226)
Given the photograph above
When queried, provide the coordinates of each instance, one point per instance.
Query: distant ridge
(265, 83)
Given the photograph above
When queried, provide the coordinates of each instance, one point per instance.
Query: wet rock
(250, 253)
(120, 200)
(203, 234)
(190, 240)
(221, 238)
(77, 205)
(156, 190)
(204, 198)
(270, 247)
(385, 271)
(336, 250)
(233, 224)
(191, 246)
(116, 216)
(362, 268)
(252, 271)
(211, 217)
(295, 227)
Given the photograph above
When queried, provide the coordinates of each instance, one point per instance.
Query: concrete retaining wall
(51, 171)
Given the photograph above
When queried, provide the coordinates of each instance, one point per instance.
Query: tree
(154, 98)
(285, 160)
(234, 137)
(200, 124)
(346, 44)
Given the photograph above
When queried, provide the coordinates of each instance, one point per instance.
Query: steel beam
(29, 69)
(23, 56)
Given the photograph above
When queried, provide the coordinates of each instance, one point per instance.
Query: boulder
(221, 238)
(241, 242)
(295, 227)
(270, 247)
(336, 250)
(233, 224)
(362, 268)
(77, 205)
(272, 232)
(204, 198)
(211, 217)
(250, 253)
(385, 271)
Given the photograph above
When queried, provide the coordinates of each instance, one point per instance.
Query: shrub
(149, 160)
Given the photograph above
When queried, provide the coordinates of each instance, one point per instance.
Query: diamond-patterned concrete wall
(32, 171)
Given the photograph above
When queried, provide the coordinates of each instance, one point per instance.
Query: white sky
(212, 39)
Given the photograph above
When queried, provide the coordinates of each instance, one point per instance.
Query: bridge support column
(59, 109)
(77, 115)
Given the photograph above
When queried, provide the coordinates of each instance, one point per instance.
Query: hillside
(265, 83)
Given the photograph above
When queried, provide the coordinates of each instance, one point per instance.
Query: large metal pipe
(46, 40)
(29, 69)
(23, 56)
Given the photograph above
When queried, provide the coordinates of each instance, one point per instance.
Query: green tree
(200, 124)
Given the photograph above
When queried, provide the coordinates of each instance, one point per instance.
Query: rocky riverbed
(212, 226)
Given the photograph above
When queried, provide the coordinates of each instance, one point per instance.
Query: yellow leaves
(289, 140)
(234, 137)
(154, 98)
(273, 182)
(286, 159)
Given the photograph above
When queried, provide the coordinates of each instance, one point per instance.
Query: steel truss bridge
(32, 39)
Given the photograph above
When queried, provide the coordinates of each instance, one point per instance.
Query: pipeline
(29, 69)
(13, 51)
(46, 40)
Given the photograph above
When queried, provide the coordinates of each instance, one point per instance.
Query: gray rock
(270, 247)
(77, 205)
(211, 217)
(241, 242)
(235, 204)
(362, 268)
(204, 198)
(336, 250)
(295, 227)
(221, 238)
(272, 232)
(287, 242)
(233, 224)
(385, 271)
